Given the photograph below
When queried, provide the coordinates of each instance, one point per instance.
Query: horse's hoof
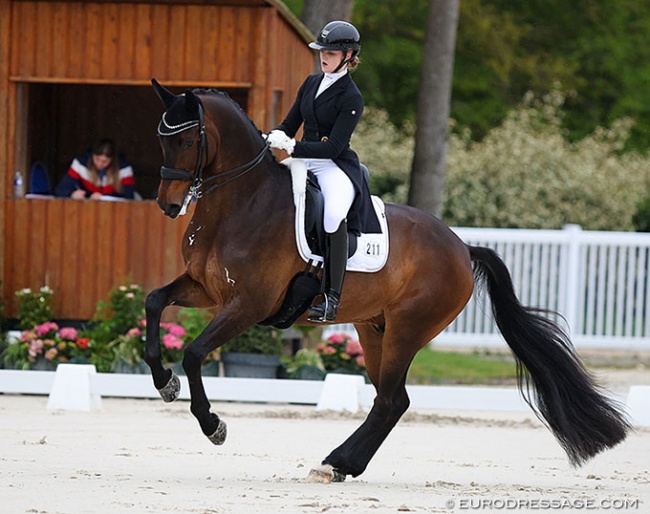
(324, 475)
(219, 435)
(170, 392)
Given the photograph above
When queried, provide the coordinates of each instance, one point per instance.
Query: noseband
(198, 187)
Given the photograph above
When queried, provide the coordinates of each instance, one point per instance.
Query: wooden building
(72, 72)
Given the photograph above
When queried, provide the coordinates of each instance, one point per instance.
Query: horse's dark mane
(225, 96)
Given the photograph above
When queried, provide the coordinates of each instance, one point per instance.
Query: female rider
(329, 105)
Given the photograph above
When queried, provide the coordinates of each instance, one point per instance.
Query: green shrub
(526, 174)
(388, 153)
(257, 339)
(641, 218)
(34, 307)
(194, 321)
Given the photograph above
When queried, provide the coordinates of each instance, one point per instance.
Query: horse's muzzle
(171, 209)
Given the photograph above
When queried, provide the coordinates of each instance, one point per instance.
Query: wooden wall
(83, 249)
(69, 70)
(131, 42)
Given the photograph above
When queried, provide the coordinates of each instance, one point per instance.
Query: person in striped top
(99, 172)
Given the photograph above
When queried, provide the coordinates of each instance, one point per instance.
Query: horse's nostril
(172, 210)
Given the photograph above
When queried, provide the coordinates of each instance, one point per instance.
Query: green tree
(526, 174)
(432, 129)
(596, 52)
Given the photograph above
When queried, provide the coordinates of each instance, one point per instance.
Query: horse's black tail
(564, 395)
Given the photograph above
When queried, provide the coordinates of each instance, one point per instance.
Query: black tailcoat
(329, 121)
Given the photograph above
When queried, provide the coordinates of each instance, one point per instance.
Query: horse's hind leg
(387, 366)
(183, 292)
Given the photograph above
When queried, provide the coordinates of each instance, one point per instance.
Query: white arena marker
(638, 405)
(74, 388)
(340, 392)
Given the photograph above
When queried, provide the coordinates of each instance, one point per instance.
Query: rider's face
(330, 59)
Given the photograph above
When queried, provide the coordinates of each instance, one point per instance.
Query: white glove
(278, 139)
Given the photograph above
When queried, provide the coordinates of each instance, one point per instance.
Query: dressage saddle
(306, 285)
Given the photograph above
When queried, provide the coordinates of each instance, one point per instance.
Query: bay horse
(240, 255)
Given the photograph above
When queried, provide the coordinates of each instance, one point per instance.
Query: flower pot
(42, 364)
(251, 365)
(208, 369)
(308, 372)
(139, 368)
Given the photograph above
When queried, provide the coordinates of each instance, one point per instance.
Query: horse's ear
(164, 94)
(191, 102)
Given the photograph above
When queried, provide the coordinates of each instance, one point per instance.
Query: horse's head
(184, 144)
(193, 142)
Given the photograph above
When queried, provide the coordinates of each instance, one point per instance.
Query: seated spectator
(99, 172)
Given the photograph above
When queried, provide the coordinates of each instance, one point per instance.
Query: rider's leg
(336, 256)
(338, 194)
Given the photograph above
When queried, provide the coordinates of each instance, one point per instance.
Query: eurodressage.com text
(543, 504)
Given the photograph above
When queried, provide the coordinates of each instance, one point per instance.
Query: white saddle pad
(372, 249)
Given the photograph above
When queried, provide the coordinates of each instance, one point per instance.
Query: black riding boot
(336, 257)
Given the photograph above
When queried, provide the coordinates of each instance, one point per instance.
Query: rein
(197, 189)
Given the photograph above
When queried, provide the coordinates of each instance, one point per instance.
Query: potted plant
(114, 349)
(46, 345)
(342, 354)
(34, 307)
(306, 365)
(253, 354)
(174, 337)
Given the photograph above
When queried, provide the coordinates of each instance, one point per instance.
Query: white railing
(598, 281)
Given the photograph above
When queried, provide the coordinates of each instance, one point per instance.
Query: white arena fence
(598, 281)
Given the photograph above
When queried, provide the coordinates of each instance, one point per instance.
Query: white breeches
(337, 188)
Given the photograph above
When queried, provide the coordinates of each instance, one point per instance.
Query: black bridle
(197, 189)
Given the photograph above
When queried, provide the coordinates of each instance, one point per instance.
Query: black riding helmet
(338, 35)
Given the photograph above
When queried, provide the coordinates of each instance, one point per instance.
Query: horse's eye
(187, 143)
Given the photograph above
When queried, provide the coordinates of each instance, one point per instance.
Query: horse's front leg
(184, 292)
(229, 323)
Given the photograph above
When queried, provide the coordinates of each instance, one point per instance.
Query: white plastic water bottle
(19, 185)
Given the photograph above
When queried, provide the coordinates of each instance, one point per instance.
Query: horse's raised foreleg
(228, 324)
(184, 292)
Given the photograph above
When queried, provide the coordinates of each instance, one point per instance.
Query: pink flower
(361, 361)
(329, 350)
(35, 347)
(28, 335)
(68, 333)
(129, 295)
(353, 347)
(338, 338)
(51, 354)
(176, 330)
(171, 342)
(46, 327)
(134, 332)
